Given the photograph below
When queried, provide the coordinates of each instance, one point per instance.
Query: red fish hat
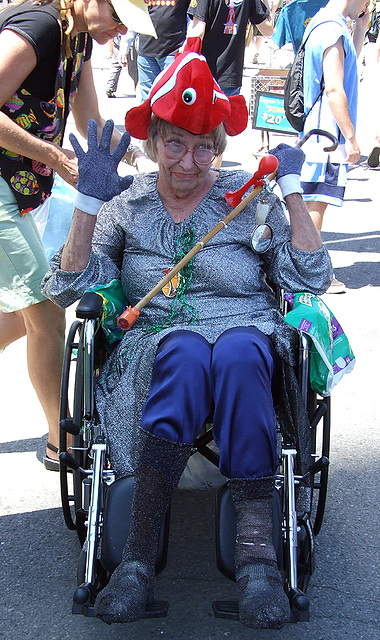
(186, 94)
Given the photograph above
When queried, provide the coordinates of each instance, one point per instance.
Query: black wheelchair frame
(98, 507)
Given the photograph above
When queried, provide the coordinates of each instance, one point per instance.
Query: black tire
(71, 500)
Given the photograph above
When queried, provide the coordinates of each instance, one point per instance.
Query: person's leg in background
(25, 311)
(148, 71)
(45, 334)
(12, 327)
(149, 68)
(316, 211)
(324, 183)
(115, 69)
(44, 326)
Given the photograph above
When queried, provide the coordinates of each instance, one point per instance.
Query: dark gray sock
(262, 600)
(131, 586)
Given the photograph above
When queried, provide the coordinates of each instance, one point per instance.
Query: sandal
(49, 463)
(373, 158)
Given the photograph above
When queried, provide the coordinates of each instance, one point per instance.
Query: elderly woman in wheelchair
(211, 342)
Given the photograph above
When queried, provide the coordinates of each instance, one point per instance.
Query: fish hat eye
(189, 96)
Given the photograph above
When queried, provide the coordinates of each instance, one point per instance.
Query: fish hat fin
(237, 122)
(137, 120)
(186, 95)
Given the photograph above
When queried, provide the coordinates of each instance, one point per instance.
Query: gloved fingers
(119, 152)
(79, 152)
(92, 135)
(106, 137)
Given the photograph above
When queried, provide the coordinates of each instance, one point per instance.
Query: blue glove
(98, 180)
(290, 161)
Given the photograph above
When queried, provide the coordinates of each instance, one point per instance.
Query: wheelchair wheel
(320, 421)
(71, 500)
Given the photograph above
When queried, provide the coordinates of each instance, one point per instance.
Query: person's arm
(304, 233)
(17, 61)
(274, 7)
(196, 28)
(266, 27)
(86, 108)
(77, 249)
(98, 183)
(333, 73)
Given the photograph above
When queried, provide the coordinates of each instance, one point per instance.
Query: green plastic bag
(331, 356)
(114, 303)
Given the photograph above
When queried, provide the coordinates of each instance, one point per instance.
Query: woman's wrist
(290, 183)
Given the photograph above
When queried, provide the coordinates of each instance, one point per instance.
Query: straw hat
(134, 14)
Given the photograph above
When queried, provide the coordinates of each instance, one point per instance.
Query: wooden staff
(268, 165)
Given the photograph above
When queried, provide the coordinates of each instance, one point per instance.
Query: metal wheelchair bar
(291, 514)
(98, 451)
(88, 368)
(304, 366)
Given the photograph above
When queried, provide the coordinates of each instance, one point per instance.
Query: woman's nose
(187, 159)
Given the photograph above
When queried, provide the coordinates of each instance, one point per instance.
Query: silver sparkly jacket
(135, 240)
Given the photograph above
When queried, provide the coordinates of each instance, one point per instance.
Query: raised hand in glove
(98, 180)
(290, 161)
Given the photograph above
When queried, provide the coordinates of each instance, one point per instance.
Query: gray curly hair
(159, 127)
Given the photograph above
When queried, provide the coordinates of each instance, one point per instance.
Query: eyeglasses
(115, 17)
(202, 155)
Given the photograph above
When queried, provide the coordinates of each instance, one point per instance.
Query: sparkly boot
(131, 586)
(263, 603)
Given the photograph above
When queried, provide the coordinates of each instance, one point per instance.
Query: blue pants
(149, 68)
(233, 378)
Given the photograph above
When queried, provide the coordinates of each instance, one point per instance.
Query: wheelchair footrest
(227, 609)
(299, 603)
(83, 604)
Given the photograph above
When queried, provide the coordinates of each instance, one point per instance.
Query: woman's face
(183, 175)
(100, 23)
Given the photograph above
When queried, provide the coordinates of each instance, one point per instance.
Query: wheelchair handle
(130, 315)
(319, 132)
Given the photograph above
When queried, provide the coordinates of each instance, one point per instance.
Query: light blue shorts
(324, 181)
(23, 262)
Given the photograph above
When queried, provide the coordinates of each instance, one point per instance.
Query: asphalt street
(38, 555)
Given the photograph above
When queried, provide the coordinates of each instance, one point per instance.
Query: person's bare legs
(12, 327)
(45, 330)
(317, 211)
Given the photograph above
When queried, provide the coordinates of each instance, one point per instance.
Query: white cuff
(289, 184)
(88, 204)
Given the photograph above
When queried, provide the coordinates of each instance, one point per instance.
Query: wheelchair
(97, 506)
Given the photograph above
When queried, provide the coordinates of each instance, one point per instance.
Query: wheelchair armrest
(90, 306)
